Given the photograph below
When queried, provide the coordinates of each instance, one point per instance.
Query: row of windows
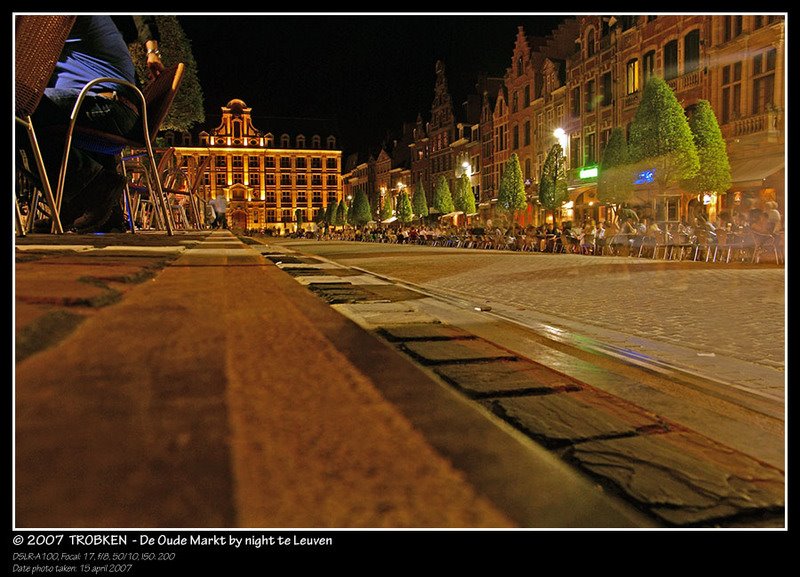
(221, 179)
(331, 162)
(733, 26)
(763, 85)
(269, 141)
(286, 198)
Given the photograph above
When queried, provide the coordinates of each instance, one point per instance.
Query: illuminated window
(632, 76)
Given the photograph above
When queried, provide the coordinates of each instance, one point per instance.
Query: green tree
(464, 200)
(714, 175)
(341, 214)
(360, 211)
(553, 181)
(187, 108)
(442, 199)
(511, 196)
(386, 208)
(615, 177)
(419, 202)
(330, 214)
(405, 213)
(660, 137)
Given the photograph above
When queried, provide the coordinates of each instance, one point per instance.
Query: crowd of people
(626, 236)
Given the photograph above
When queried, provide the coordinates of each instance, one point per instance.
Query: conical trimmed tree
(405, 212)
(419, 202)
(330, 214)
(360, 211)
(553, 180)
(386, 207)
(660, 137)
(511, 196)
(464, 200)
(341, 214)
(714, 175)
(442, 199)
(615, 178)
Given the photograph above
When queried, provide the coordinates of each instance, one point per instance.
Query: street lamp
(467, 168)
(561, 136)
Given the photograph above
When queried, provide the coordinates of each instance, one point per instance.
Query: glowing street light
(561, 136)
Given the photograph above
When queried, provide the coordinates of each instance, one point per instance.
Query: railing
(769, 121)
(632, 100)
(685, 82)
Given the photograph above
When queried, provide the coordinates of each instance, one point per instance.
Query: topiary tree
(187, 108)
(714, 175)
(442, 199)
(299, 217)
(419, 202)
(360, 211)
(341, 214)
(386, 208)
(464, 200)
(511, 196)
(660, 137)
(405, 213)
(553, 180)
(330, 214)
(615, 177)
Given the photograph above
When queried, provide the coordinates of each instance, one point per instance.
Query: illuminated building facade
(269, 178)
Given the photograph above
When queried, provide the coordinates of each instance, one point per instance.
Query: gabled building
(269, 175)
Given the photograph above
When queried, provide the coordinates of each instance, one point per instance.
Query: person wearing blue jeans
(94, 48)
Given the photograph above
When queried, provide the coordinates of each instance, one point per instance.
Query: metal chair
(38, 41)
(155, 101)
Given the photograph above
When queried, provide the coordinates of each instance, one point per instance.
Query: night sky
(368, 73)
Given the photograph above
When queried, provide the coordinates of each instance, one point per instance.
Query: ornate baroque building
(269, 178)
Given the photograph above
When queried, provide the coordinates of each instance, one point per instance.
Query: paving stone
(503, 378)
(425, 332)
(683, 477)
(51, 289)
(557, 420)
(456, 351)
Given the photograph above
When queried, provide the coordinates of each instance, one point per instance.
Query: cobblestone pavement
(704, 310)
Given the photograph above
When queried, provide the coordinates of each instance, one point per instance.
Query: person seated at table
(774, 218)
(587, 237)
(600, 237)
(94, 48)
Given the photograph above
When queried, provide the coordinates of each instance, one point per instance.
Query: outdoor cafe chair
(38, 41)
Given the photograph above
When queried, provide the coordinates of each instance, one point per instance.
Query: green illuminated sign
(588, 172)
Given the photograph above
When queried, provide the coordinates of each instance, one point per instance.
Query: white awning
(756, 169)
(389, 220)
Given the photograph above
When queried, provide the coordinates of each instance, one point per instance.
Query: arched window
(269, 140)
(331, 143)
(671, 60)
(300, 141)
(284, 141)
(315, 141)
(691, 51)
(632, 76)
(590, 48)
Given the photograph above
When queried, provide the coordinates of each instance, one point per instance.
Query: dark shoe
(116, 222)
(100, 196)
